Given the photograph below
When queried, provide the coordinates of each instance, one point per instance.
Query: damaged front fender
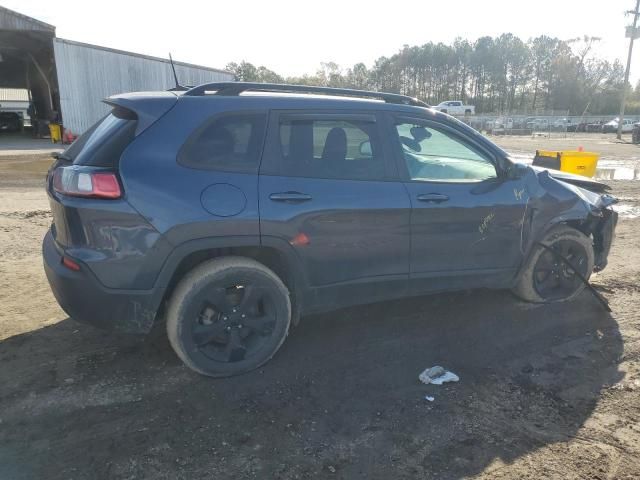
(553, 201)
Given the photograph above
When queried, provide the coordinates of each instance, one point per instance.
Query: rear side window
(338, 148)
(103, 144)
(230, 143)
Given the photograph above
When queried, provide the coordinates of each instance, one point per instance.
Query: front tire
(228, 316)
(545, 278)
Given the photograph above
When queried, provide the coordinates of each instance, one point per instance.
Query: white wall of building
(15, 100)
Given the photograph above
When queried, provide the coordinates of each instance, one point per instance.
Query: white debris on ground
(429, 399)
(437, 376)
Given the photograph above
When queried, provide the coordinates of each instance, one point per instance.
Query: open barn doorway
(27, 76)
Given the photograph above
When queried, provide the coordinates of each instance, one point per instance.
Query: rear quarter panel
(168, 194)
(110, 237)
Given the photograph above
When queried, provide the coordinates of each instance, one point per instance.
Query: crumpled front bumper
(603, 235)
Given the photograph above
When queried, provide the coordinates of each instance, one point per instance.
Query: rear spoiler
(147, 106)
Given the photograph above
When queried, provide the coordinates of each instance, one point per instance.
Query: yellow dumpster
(56, 132)
(570, 161)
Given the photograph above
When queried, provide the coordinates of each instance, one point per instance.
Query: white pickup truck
(455, 107)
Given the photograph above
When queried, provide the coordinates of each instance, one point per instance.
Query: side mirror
(365, 149)
(420, 133)
(517, 171)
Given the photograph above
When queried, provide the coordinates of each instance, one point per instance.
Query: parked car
(594, 127)
(564, 125)
(501, 124)
(455, 107)
(627, 125)
(538, 124)
(612, 126)
(635, 133)
(231, 214)
(519, 123)
(10, 122)
(576, 127)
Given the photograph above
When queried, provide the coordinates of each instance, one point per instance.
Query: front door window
(434, 155)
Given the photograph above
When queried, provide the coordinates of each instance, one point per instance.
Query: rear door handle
(290, 197)
(433, 197)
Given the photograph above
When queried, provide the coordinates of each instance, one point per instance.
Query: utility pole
(632, 36)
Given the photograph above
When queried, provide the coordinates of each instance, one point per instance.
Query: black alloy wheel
(553, 278)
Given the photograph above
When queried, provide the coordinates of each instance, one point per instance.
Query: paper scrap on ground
(437, 376)
(429, 399)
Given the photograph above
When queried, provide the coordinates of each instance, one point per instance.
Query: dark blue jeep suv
(232, 209)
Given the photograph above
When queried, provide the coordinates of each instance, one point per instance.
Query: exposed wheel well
(268, 256)
(579, 225)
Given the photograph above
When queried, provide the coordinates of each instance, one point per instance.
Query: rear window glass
(228, 143)
(103, 144)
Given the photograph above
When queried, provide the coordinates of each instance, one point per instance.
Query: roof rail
(236, 88)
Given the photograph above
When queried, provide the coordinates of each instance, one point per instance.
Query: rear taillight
(77, 182)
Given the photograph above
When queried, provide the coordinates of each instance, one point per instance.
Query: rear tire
(544, 278)
(228, 316)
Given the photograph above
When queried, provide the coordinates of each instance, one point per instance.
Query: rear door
(466, 218)
(329, 187)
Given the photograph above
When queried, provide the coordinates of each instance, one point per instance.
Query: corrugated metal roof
(14, 94)
(10, 20)
(139, 55)
(87, 74)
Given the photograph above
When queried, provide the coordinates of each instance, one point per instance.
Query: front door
(466, 218)
(328, 186)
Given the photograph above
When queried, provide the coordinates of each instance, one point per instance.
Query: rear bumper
(86, 300)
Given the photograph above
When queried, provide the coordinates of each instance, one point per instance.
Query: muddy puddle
(626, 210)
(613, 171)
(606, 170)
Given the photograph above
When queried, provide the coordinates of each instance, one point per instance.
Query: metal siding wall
(87, 75)
(10, 20)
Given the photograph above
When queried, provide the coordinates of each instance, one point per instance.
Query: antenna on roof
(178, 87)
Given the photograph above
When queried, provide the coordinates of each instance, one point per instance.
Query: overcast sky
(293, 37)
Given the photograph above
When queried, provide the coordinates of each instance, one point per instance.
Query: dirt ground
(603, 143)
(545, 391)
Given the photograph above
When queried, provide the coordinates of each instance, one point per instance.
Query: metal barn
(67, 80)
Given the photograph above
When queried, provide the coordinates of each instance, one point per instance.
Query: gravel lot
(545, 391)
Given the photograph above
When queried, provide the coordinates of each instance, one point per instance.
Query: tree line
(496, 74)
